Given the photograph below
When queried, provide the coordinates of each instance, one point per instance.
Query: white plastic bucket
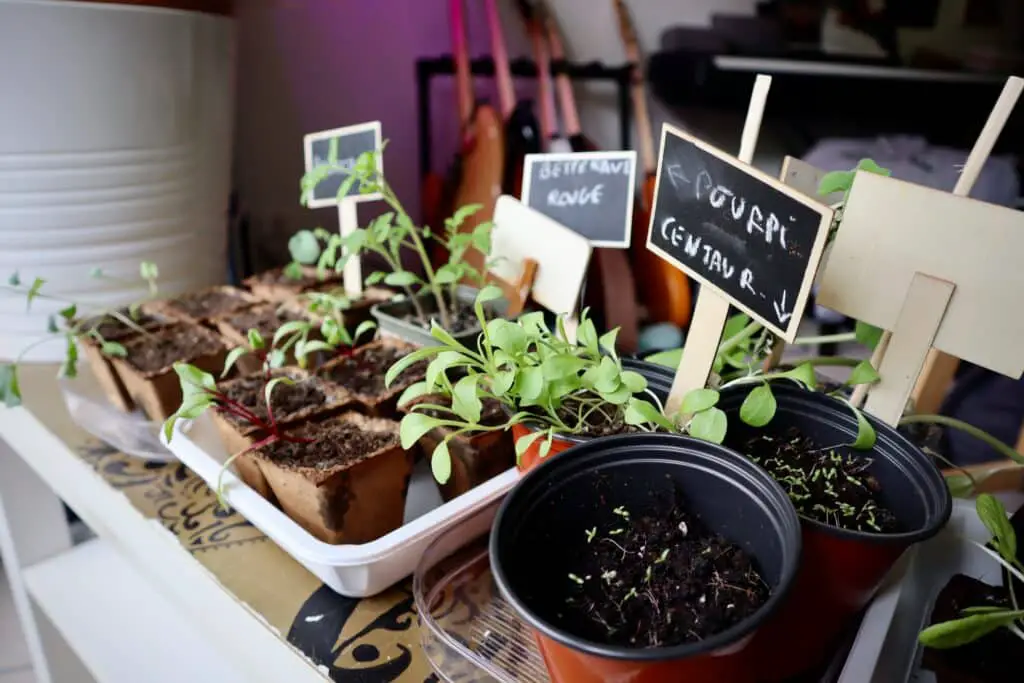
(115, 148)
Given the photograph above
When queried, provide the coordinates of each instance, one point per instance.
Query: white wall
(314, 64)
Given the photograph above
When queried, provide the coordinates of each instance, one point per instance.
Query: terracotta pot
(384, 404)
(274, 285)
(537, 537)
(181, 307)
(841, 570)
(356, 501)
(475, 459)
(158, 390)
(531, 456)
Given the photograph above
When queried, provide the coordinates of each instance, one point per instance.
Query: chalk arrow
(780, 309)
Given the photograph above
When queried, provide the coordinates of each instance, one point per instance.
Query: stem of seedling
(966, 428)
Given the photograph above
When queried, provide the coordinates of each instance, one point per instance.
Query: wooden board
(562, 256)
(893, 229)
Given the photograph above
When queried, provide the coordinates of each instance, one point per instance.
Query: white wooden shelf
(118, 624)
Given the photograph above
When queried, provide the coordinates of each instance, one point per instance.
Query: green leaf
(293, 271)
(502, 382)
(507, 336)
(149, 270)
(488, 294)
(734, 325)
(232, 358)
(69, 312)
(34, 290)
(669, 359)
(606, 376)
(304, 247)
(866, 435)
(870, 166)
(277, 358)
(868, 335)
(634, 381)
(413, 392)
(405, 362)
(960, 632)
(271, 385)
(586, 334)
(289, 328)
(256, 342)
(193, 379)
(14, 280)
(113, 349)
(530, 383)
(835, 181)
(441, 363)
(401, 278)
(607, 341)
(993, 515)
(709, 425)
(804, 374)
(698, 400)
(564, 365)
(461, 214)
(524, 442)
(959, 485)
(465, 401)
(863, 373)
(69, 368)
(639, 412)
(414, 426)
(51, 324)
(447, 274)
(363, 328)
(374, 278)
(10, 391)
(618, 397)
(758, 407)
(441, 463)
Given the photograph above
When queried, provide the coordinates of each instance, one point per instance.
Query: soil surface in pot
(209, 303)
(332, 445)
(463, 319)
(997, 657)
(491, 414)
(659, 580)
(824, 484)
(288, 399)
(266, 319)
(166, 345)
(363, 371)
(111, 328)
(924, 435)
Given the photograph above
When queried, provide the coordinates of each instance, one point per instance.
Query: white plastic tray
(886, 650)
(352, 570)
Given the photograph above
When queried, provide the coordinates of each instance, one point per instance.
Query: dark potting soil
(265, 319)
(363, 372)
(209, 303)
(924, 435)
(658, 581)
(164, 346)
(463, 319)
(997, 657)
(824, 484)
(333, 444)
(597, 423)
(111, 328)
(288, 399)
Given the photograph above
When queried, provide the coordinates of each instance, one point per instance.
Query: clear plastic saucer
(130, 433)
(469, 632)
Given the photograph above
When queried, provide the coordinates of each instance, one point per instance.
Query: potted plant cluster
(433, 294)
(976, 629)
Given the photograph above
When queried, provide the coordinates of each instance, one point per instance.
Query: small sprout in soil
(683, 529)
(576, 579)
(591, 533)
(664, 555)
(621, 512)
(609, 575)
(647, 575)
(616, 532)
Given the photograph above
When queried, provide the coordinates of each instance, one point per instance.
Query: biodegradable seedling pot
(266, 318)
(348, 485)
(997, 657)
(541, 530)
(276, 286)
(659, 384)
(362, 374)
(475, 458)
(203, 305)
(359, 310)
(310, 398)
(841, 569)
(147, 369)
(398, 318)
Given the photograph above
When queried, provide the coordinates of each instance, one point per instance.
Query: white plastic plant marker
(351, 141)
(925, 243)
(562, 255)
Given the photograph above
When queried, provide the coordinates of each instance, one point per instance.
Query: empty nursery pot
(542, 530)
(841, 569)
(659, 384)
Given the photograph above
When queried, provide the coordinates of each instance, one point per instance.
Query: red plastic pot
(659, 383)
(841, 570)
(537, 538)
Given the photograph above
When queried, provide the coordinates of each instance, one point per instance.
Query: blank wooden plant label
(351, 141)
(740, 231)
(590, 193)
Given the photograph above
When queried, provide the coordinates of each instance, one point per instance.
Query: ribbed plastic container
(115, 148)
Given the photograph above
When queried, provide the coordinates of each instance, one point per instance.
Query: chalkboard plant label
(344, 145)
(590, 193)
(738, 230)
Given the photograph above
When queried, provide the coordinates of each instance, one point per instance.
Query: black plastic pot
(538, 536)
(841, 570)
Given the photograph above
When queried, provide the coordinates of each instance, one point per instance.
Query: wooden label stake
(348, 221)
